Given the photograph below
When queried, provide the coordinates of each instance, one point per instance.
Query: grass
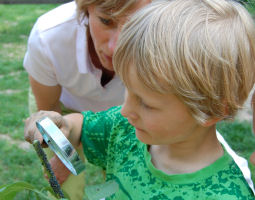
(250, 5)
(17, 164)
(240, 137)
(16, 22)
(20, 165)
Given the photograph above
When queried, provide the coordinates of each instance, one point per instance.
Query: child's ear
(214, 120)
(211, 122)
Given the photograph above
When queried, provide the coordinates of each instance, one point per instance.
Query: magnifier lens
(60, 145)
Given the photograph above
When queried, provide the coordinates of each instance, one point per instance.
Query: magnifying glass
(60, 145)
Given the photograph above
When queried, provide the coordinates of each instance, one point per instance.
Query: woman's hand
(59, 169)
(31, 132)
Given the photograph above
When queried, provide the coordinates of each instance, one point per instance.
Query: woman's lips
(109, 58)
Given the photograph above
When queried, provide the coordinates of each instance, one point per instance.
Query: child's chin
(143, 137)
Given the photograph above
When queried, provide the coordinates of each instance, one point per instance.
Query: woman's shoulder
(62, 15)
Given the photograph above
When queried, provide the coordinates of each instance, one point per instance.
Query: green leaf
(9, 191)
(96, 192)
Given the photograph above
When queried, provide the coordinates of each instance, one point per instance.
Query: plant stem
(52, 178)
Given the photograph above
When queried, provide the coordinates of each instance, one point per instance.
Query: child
(186, 64)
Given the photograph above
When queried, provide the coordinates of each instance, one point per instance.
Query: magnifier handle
(52, 178)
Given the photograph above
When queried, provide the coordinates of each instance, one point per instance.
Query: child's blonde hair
(201, 51)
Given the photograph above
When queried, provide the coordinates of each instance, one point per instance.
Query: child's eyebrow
(143, 99)
(133, 93)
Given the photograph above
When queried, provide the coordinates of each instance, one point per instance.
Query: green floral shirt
(109, 141)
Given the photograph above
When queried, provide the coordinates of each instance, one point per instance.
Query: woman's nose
(113, 40)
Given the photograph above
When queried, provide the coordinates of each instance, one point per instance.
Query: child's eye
(144, 105)
(105, 21)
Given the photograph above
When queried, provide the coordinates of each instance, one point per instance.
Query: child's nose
(127, 113)
(128, 109)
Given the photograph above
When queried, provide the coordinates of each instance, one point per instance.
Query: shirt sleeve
(37, 61)
(96, 135)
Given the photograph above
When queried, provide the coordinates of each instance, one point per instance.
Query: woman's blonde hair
(113, 8)
(201, 51)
